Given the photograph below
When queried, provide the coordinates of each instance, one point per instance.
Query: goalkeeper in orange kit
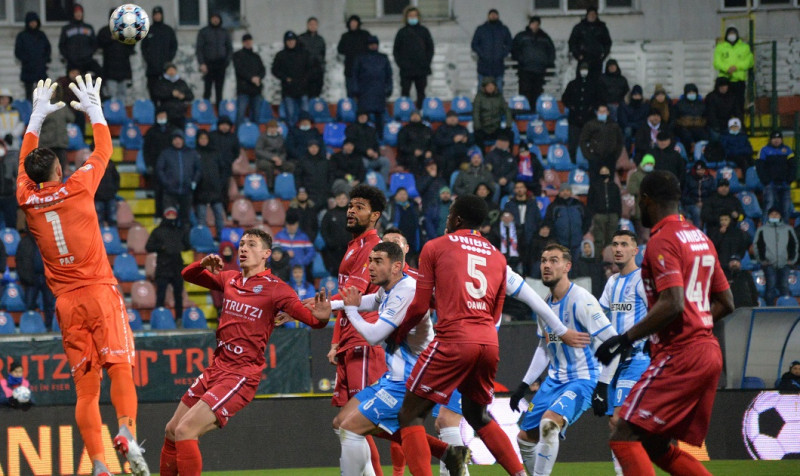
(90, 310)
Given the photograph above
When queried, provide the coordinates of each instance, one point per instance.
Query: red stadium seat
(243, 213)
(273, 212)
(137, 239)
(150, 266)
(125, 217)
(241, 166)
(143, 295)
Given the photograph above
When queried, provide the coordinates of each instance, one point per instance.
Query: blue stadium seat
(126, 269)
(227, 107)
(580, 160)
(625, 224)
(748, 263)
(144, 112)
(579, 181)
(134, 319)
(232, 234)
(190, 135)
(346, 110)
(12, 298)
(201, 240)
(329, 283)
(681, 150)
(282, 111)
(255, 188)
(794, 283)
(75, 138)
(31, 322)
(542, 203)
(318, 108)
(547, 108)
(462, 105)
(753, 383)
(248, 133)
(433, 110)
(162, 319)
(376, 180)
(319, 242)
(748, 226)
(728, 173)
(6, 323)
(10, 240)
(264, 112)
(503, 201)
(390, 130)
(403, 107)
(194, 318)
(751, 180)
(762, 302)
(114, 111)
(285, 188)
(203, 112)
(318, 269)
(284, 129)
(760, 282)
(24, 107)
(562, 131)
(536, 132)
(521, 108)
(558, 158)
(54, 325)
(141, 165)
(515, 130)
(699, 150)
(130, 137)
(640, 255)
(111, 240)
(538, 154)
(453, 178)
(333, 134)
(752, 209)
(405, 180)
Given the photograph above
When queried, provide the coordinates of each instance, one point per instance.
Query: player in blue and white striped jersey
(625, 302)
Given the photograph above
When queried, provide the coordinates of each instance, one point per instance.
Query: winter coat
(443, 144)
(503, 164)
(214, 45)
(156, 139)
(776, 165)
(776, 245)
(308, 216)
(533, 52)
(733, 242)
(247, 64)
(336, 237)
(468, 180)
(581, 96)
(643, 141)
(533, 218)
(292, 66)
(590, 41)
(405, 217)
(413, 51)
(30, 266)
(670, 160)
(690, 113)
(297, 141)
(9, 168)
(228, 147)
(54, 129)
(614, 85)
(604, 198)
(168, 240)
(719, 109)
(632, 186)
(77, 44)
(304, 290)
(632, 114)
(352, 44)
(737, 54)
(666, 110)
(601, 139)
(176, 108)
(744, 290)
(211, 187)
(299, 243)
(342, 165)
(717, 204)
(414, 136)
(489, 110)
(268, 147)
(373, 75)
(363, 136)
(428, 187)
(33, 50)
(177, 169)
(313, 173)
(492, 43)
(116, 56)
(789, 383)
(697, 189)
(281, 268)
(736, 145)
(315, 45)
(109, 184)
(159, 47)
(567, 221)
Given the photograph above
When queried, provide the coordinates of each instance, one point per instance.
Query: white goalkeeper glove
(41, 105)
(88, 95)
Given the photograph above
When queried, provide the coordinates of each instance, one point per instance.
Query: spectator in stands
(589, 264)
(414, 144)
(667, 158)
(721, 202)
(736, 145)
(15, 378)
(33, 50)
(632, 115)
(604, 205)
(601, 142)
(212, 185)
(279, 263)
(647, 135)
(312, 42)
(512, 243)
(615, 88)
(372, 74)
(300, 135)
(303, 288)
(732, 60)
(250, 72)
(294, 242)
(292, 66)
(776, 249)
(436, 214)
(105, 198)
(158, 48)
(450, 144)
(352, 44)
(117, 73)
(30, 270)
(590, 42)
(173, 95)
(728, 238)
(227, 144)
(529, 169)
(214, 50)
(582, 96)
(534, 52)
(720, 107)
(307, 211)
(78, 43)
(698, 186)
(347, 166)
(168, 240)
(690, 117)
(468, 179)
(54, 134)
(429, 184)
(491, 43)
(413, 53)
(486, 191)
(790, 381)
(67, 96)
(9, 166)
(271, 153)
(227, 252)
(632, 186)
(156, 139)
(365, 140)
(566, 215)
(777, 169)
(527, 219)
(502, 163)
(663, 104)
(741, 282)
(405, 217)
(535, 249)
(11, 126)
(489, 111)
(313, 172)
(334, 233)
(178, 171)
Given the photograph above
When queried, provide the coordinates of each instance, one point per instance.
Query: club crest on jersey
(258, 288)
(661, 261)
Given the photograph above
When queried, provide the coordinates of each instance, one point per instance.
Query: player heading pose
(252, 297)
(90, 311)
(687, 292)
(572, 373)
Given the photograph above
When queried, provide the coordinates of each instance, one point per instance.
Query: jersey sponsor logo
(258, 288)
(621, 307)
(386, 398)
(240, 309)
(86, 168)
(467, 240)
(691, 236)
(553, 338)
(644, 414)
(236, 349)
(48, 199)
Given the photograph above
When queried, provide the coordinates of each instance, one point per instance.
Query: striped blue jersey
(625, 301)
(580, 311)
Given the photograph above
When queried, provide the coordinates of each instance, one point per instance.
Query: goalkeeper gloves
(41, 105)
(88, 94)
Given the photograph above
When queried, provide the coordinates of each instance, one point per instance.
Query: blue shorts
(568, 399)
(627, 375)
(381, 403)
(454, 405)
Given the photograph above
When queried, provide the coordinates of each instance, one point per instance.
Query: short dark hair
(565, 253)
(393, 229)
(662, 186)
(392, 250)
(312, 18)
(472, 210)
(627, 233)
(376, 199)
(265, 237)
(535, 18)
(14, 366)
(39, 164)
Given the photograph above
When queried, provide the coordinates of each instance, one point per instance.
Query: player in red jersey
(686, 292)
(468, 275)
(252, 297)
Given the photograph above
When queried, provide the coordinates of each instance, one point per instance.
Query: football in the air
(22, 394)
(771, 426)
(129, 23)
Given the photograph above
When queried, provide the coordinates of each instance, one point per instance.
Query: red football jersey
(678, 254)
(410, 271)
(468, 275)
(354, 271)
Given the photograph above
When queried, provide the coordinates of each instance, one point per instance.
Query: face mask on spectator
(172, 77)
(691, 96)
(584, 73)
(413, 21)
(602, 117)
(733, 131)
(161, 122)
(305, 127)
(774, 220)
(648, 168)
(732, 38)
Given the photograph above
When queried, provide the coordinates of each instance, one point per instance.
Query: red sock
(398, 459)
(190, 461)
(169, 459)
(415, 447)
(498, 443)
(376, 457)
(632, 457)
(394, 437)
(678, 462)
(437, 446)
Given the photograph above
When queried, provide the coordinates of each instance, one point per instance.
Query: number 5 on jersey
(473, 261)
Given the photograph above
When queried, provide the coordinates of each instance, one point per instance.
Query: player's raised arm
(374, 333)
(286, 300)
(88, 94)
(205, 272)
(41, 108)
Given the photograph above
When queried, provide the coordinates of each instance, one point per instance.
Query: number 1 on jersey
(58, 232)
(473, 261)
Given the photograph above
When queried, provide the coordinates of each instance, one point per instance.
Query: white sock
(547, 449)
(528, 451)
(617, 467)
(452, 436)
(355, 453)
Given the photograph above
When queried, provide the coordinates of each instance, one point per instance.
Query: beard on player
(551, 276)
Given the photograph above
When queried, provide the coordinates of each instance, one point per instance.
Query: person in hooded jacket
(333, 231)
(105, 199)
(776, 249)
(698, 186)
(604, 206)
(690, 117)
(173, 95)
(413, 53)
(33, 50)
(468, 179)
(492, 43)
(631, 115)
(614, 87)
(179, 171)
(601, 142)
(352, 44)
(159, 47)
(300, 135)
(372, 73)
(733, 59)
(30, 270)
(228, 147)
(414, 144)
(117, 73)
(736, 144)
(489, 111)
(582, 96)
(280, 263)
(291, 66)
(718, 203)
(534, 52)
(156, 139)
(312, 42)
(250, 72)
(667, 157)
(169, 240)
(77, 43)
(229, 263)
(647, 134)
(214, 50)
(451, 141)
(590, 42)
(790, 381)
(313, 172)
(720, 107)
(308, 212)
(347, 165)
(729, 240)
(663, 104)
(271, 153)
(211, 186)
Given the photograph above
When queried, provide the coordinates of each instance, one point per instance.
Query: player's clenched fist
(212, 263)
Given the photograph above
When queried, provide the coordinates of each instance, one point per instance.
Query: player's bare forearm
(299, 312)
(667, 308)
(721, 304)
(196, 273)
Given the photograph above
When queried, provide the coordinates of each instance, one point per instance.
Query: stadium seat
(752, 209)
(625, 224)
(190, 134)
(194, 318)
(562, 131)
(580, 159)
(282, 111)
(679, 148)
(203, 112)
(141, 166)
(318, 108)
(114, 111)
(537, 133)
(273, 213)
(521, 108)
(24, 107)
(162, 319)
(515, 131)
(248, 133)
(346, 110)
(137, 239)
(794, 283)
(503, 201)
(134, 319)
(403, 107)
(453, 178)
(10, 240)
(255, 188)
(751, 180)
(125, 218)
(227, 107)
(12, 298)
(699, 150)
(333, 134)
(318, 269)
(640, 255)
(390, 131)
(144, 112)
(201, 240)
(376, 180)
(749, 264)
(264, 112)
(111, 240)
(130, 137)
(760, 282)
(433, 110)
(319, 242)
(628, 205)
(329, 283)
(405, 180)
(285, 187)
(143, 295)
(762, 302)
(748, 226)
(786, 301)
(31, 322)
(728, 173)
(75, 138)
(538, 154)
(558, 158)
(542, 203)
(150, 262)
(243, 213)
(579, 181)
(754, 383)
(6, 323)
(232, 234)
(547, 108)
(125, 268)
(551, 182)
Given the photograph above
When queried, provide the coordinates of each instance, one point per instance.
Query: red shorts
(675, 395)
(358, 368)
(444, 366)
(224, 392)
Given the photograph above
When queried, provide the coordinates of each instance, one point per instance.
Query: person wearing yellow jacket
(732, 59)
